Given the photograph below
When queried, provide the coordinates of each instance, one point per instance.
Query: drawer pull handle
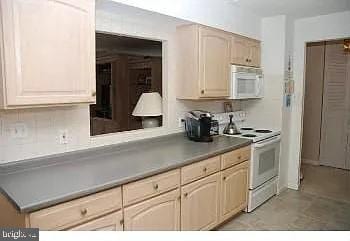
(186, 194)
(155, 186)
(224, 178)
(83, 211)
(239, 157)
(204, 169)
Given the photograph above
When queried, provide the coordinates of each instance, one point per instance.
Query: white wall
(318, 28)
(44, 124)
(267, 112)
(220, 14)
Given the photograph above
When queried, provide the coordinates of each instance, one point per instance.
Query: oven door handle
(269, 142)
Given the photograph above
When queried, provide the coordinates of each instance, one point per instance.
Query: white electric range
(265, 158)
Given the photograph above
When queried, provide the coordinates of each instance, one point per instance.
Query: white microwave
(246, 82)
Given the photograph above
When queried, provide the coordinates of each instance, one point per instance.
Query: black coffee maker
(198, 125)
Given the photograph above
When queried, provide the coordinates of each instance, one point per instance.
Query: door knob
(83, 211)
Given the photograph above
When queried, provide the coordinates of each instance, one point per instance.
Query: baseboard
(280, 190)
(310, 162)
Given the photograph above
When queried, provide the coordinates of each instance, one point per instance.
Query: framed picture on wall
(228, 107)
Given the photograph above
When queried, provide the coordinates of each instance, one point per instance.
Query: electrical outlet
(63, 137)
(18, 130)
(181, 123)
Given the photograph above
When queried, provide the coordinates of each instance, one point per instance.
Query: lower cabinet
(111, 222)
(200, 204)
(161, 213)
(234, 190)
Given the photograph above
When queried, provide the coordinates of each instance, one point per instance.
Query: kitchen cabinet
(245, 51)
(199, 170)
(203, 62)
(234, 190)
(151, 186)
(47, 52)
(161, 213)
(198, 196)
(78, 211)
(111, 222)
(200, 204)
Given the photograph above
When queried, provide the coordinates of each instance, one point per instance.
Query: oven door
(264, 161)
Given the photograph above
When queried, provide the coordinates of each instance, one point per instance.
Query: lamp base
(150, 122)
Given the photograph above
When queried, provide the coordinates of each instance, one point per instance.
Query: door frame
(306, 31)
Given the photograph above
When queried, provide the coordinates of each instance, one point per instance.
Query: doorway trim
(315, 29)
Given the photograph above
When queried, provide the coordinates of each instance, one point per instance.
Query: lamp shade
(149, 104)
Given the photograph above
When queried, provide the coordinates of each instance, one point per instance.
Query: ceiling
(293, 8)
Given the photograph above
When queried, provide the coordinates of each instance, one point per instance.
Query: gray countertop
(39, 183)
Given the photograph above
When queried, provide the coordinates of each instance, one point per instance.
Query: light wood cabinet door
(234, 190)
(200, 204)
(161, 213)
(111, 222)
(214, 63)
(239, 50)
(48, 52)
(245, 51)
(254, 53)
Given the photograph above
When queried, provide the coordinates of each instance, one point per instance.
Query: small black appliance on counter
(198, 125)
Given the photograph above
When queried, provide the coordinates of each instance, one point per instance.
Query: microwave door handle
(258, 86)
(262, 144)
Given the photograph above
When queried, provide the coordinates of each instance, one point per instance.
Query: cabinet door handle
(185, 194)
(93, 93)
(224, 178)
(247, 60)
(83, 211)
(239, 157)
(121, 222)
(204, 169)
(202, 91)
(155, 186)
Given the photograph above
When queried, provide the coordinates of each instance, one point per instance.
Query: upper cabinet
(245, 51)
(204, 56)
(203, 62)
(47, 52)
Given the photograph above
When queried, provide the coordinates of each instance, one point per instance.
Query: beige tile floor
(318, 205)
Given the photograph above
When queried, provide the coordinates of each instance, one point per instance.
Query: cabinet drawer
(201, 169)
(77, 211)
(235, 157)
(110, 222)
(149, 187)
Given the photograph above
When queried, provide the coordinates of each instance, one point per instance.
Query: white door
(334, 131)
